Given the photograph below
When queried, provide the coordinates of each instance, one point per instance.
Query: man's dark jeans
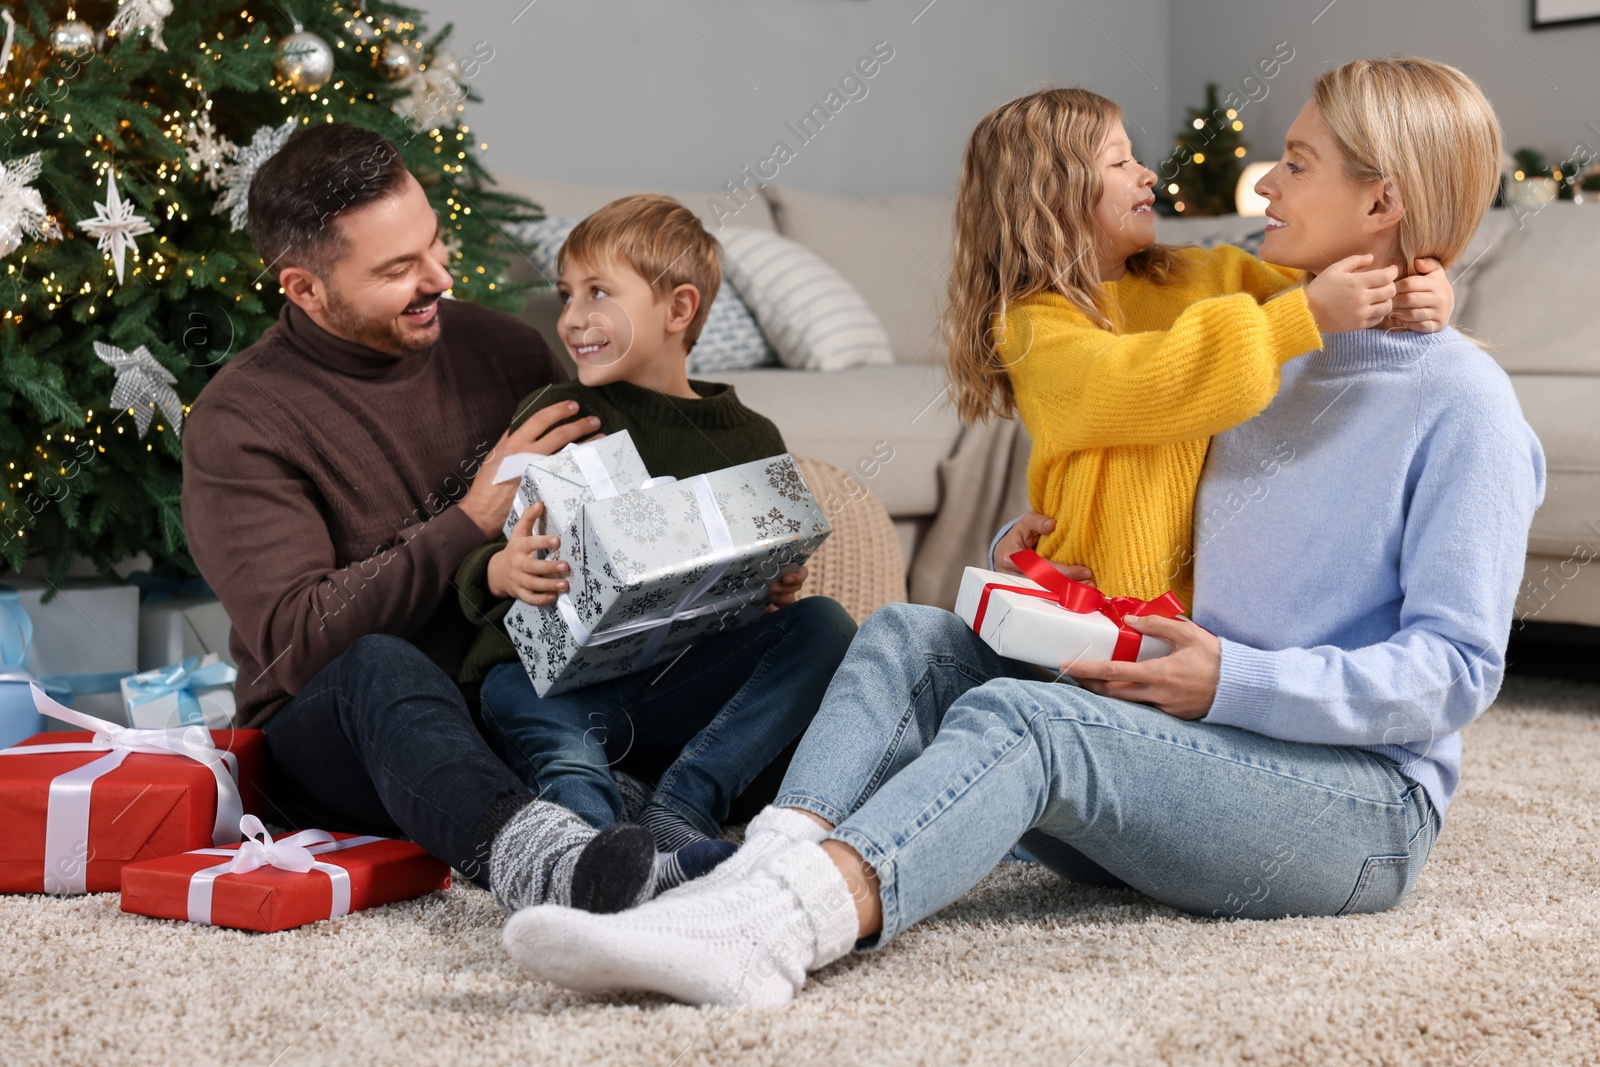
(381, 741)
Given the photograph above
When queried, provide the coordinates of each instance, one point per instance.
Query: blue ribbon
(181, 679)
(21, 717)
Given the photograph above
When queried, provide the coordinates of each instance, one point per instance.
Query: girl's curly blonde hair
(1024, 224)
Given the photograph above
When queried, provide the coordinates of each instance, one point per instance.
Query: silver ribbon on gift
(66, 834)
(688, 606)
(297, 854)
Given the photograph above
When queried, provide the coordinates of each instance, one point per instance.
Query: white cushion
(730, 339)
(1533, 297)
(894, 249)
(814, 318)
(887, 426)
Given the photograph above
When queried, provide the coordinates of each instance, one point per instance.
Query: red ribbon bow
(1082, 599)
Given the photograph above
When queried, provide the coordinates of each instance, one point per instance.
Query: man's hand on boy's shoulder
(786, 590)
(544, 432)
(517, 571)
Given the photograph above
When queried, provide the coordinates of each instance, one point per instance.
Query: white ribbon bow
(66, 833)
(297, 854)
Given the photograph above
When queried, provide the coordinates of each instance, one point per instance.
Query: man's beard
(382, 334)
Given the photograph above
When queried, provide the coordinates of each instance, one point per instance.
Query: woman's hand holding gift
(1182, 684)
(516, 570)
(1025, 533)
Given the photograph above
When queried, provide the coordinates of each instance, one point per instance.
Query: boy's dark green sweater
(675, 437)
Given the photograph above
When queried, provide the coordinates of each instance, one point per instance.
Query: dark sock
(690, 862)
(671, 830)
(616, 870)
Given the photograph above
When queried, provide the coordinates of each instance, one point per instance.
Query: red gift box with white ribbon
(268, 885)
(79, 804)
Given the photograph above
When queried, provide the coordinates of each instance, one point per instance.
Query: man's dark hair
(297, 193)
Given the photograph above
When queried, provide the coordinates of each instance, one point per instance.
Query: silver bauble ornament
(305, 61)
(72, 39)
(446, 63)
(400, 60)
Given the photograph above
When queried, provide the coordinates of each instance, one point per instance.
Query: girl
(1294, 755)
(1123, 356)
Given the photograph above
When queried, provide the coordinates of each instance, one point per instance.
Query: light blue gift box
(19, 717)
(195, 692)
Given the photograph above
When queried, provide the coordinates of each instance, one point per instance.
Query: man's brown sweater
(320, 479)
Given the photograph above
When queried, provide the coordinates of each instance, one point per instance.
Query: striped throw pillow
(814, 318)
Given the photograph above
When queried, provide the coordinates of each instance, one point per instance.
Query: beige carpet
(1494, 959)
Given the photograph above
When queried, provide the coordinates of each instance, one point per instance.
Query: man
(335, 474)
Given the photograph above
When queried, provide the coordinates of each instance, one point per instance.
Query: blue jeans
(933, 757)
(381, 741)
(705, 725)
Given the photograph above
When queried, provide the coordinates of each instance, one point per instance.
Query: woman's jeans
(933, 756)
(705, 725)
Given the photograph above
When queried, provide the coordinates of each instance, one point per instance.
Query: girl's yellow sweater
(1121, 421)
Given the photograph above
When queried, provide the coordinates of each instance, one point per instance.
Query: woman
(1295, 754)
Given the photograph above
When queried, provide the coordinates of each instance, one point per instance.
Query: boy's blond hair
(1024, 224)
(660, 239)
(1427, 128)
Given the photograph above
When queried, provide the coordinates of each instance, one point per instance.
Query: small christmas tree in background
(1209, 159)
(130, 134)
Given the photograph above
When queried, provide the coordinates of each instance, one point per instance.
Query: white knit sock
(770, 832)
(749, 944)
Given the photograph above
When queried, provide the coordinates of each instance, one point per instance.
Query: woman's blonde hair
(1427, 128)
(1024, 224)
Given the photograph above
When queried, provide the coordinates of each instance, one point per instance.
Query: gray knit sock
(534, 855)
(547, 855)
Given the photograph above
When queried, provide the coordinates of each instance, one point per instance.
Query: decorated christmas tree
(1208, 161)
(130, 135)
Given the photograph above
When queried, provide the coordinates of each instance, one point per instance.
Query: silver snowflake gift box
(655, 569)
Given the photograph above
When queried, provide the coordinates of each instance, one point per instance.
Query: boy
(637, 279)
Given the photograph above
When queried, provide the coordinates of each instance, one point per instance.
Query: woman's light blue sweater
(1359, 546)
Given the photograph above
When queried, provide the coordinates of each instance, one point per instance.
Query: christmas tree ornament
(238, 173)
(72, 39)
(22, 210)
(136, 15)
(206, 150)
(304, 60)
(143, 386)
(400, 60)
(11, 37)
(116, 224)
(434, 92)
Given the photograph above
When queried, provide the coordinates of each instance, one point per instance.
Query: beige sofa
(1526, 287)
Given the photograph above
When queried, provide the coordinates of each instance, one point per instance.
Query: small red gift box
(269, 885)
(79, 804)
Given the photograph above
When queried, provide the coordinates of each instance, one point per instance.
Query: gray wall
(685, 93)
(1544, 85)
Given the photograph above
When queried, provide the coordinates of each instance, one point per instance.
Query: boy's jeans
(705, 724)
(933, 756)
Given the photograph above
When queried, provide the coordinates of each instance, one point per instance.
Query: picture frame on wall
(1552, 14)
